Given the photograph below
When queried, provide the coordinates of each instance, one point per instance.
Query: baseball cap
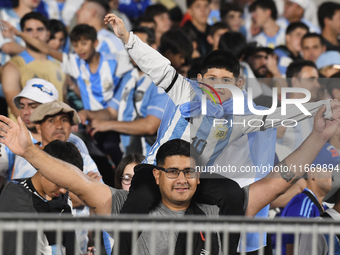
(255, 47)
(38, 90)
(53, 108)
(328, 58)
(302, 3)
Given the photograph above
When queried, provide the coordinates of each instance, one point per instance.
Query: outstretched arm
(152, 63)
(92, 192)
(292, 168)
(41, 46)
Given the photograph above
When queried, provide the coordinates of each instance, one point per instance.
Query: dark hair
(143, 19)
(65, 151)
(83, 31)
(153, 10)
(190, 2)
(228, 7)
(221, 59)
(56, 26)
(294, 25)
(175, 147)
(131, 158)
(311, 35)
(176, 41)
(102, 3)
(234, 42)
(327, 10)
(218, 25)
(36, 16)
(294, 69)
(333, 83)
(265, 4)
(149, 32)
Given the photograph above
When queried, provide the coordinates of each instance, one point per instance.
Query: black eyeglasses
(173, 173)
(126, 179)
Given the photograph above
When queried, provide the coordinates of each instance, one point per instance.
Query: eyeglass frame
(122, 179)
(179, 172)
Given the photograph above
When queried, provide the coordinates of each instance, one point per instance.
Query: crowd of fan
(69, 76)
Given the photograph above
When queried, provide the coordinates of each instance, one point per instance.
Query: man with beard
(264, 65)
(31, 63)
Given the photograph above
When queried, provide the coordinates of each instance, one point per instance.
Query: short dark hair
(311, 35)
(176, 41)
(214, 28)
(333, 83)
(65, 151)
(265, 4)
(131, 158)
(190, 2)
(228, 7)
(327, 10)
(294, 69)
(234, 42)
(153, 10)
(149, 32)
(56, 26)
(83, 31)
(36, 16)
(175, 147)
(221, 59)
(102, 3)
(143, 19)
(294, 25)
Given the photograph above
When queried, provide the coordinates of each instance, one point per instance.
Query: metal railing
(137, 223)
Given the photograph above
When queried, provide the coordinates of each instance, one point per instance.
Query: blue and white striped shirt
(149, 100)
(97, 89)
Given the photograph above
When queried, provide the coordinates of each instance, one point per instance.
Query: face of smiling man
(176, 193)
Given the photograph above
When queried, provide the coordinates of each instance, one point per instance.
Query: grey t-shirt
(162, 237)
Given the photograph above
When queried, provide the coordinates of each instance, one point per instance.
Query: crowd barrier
(189, 224)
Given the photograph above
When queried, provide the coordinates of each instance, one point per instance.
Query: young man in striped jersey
(97, 75)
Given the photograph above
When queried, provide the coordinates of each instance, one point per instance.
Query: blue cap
(328, 58)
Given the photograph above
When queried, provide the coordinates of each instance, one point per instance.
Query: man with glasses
(178, 196)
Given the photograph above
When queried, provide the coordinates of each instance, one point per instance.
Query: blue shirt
(149, 100)
(97, 89)
(133, 9)
(300, 206)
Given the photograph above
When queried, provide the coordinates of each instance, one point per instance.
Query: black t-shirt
(330, 46)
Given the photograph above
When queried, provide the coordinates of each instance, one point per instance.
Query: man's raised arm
(94, 193)
(152, 63)
(292, 168)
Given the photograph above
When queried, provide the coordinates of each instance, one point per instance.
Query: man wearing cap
(53, 121)
(323, 240)
(308, 204)
(328, 63)
(293, 12)
(264, 64)
(36, 92)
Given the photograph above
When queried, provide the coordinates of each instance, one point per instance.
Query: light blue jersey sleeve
(158, 100)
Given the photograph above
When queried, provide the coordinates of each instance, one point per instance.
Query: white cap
(38, 90)
(303, 3)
